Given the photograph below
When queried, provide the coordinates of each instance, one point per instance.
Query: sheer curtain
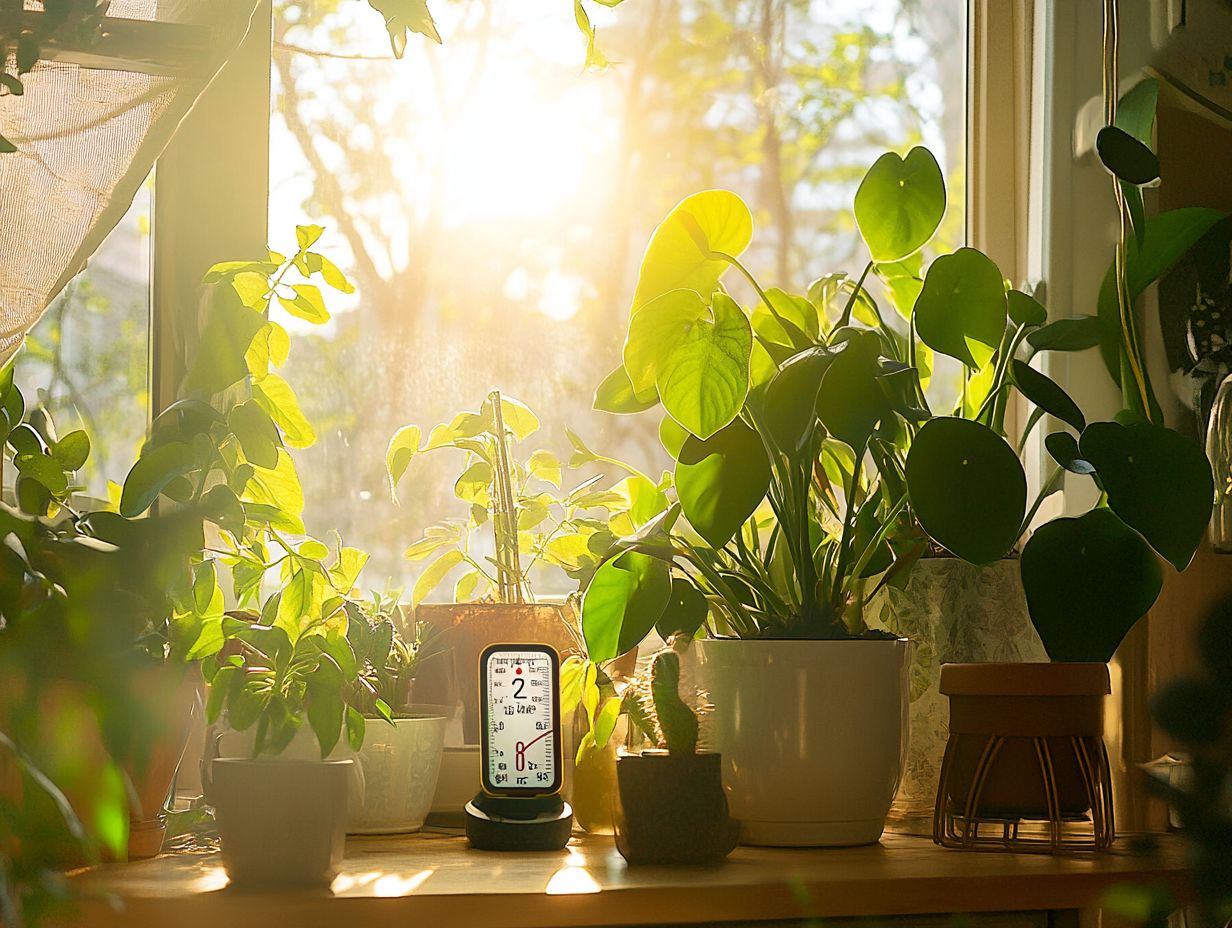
(88, 130)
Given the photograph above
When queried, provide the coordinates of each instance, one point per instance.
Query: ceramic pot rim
(797, 642)
(1034, 678)
(267, 761)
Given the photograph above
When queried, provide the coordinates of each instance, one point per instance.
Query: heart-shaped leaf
(625, 598)
(1088, 580)
(1126, 157)
(1157, 480)
(789, 404)
(722, 480)
(680, 252)
(900, 203)
(962, 308)
(1024, 309)
(967, 488)
(257, 434)
(402, 448)
(156, 468)
(654, 331)
(705, 379)
(1047, 394)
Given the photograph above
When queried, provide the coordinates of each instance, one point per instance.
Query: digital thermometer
(520, 703)
(521, 773)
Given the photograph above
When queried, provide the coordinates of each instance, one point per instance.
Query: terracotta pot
(1020, 702)
(672, 809)
(468, 628)
(170, 693)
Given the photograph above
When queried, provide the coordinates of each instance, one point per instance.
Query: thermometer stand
(507, 823)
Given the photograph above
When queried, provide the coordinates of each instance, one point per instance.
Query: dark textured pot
(1057, 702)
(672, 809)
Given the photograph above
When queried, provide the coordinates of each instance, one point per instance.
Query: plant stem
(845, 318)
(1050, 485)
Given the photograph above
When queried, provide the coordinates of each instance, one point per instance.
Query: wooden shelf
(423, 880)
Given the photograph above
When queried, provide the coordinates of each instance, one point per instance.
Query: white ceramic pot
(400, 764)
(813, 735)
(282, 822)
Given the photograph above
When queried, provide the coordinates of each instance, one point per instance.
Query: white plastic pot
(401, 763)
(282, 822)
(813, 735)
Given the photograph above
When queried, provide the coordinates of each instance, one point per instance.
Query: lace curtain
(88, 130)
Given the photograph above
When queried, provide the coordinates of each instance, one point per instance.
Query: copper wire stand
(964, 822)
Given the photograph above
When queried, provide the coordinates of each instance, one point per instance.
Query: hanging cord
(1125, 310)
(505, 514)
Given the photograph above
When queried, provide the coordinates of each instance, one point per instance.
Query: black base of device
(538, 823)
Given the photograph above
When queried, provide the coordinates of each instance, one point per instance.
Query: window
(87, 359)
(511, 265)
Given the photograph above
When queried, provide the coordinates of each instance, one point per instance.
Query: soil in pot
(1008, 707)
(673, 809)
(282, 822)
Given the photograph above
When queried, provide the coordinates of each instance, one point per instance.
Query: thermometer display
(521, 720)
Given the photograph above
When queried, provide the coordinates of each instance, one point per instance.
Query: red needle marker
(519, 750)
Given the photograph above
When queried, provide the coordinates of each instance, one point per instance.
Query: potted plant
(672, 806)
(521, 522)
(282, 819)
(401, 755)
(784, 422)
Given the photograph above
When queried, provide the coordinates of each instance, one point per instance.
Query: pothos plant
(812, 406)
(280, 659)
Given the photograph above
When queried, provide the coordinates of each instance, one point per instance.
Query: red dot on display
(517, 670)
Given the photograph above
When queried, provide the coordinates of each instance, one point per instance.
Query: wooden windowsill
(432, 879)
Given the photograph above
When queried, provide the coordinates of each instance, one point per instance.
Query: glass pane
(491, 199)
(87, 359)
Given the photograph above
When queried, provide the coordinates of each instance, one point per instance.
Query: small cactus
(677, 722)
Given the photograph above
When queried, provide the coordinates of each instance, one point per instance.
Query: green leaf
(223, 507)
(221, 357)
(517, 416)
(278, 487)
(625, 598)
(154, 470)
(334, 277)
(789, 408)
(1024, 309)
(900, 203)
(850, 401)
(967, 488)
(722, 480)
(463, 425)
(545, 466)
(802, 323)
(680, 254)
(306, 304)
(1136, 109)
(616, 395)
(1158, 482)
(1168, 237)
(672, 436)
(73, 450)
(654, 331)
(704, 380)
(1126, 157)
(402, 16)
(257, 434)
(307, 235)
(402, 448)
(435, 537)
(325, 708)
(685, 612)
(432, 576)
(1088, 580)
(472, 486)
(962, 307)
(1064, 450)
(276, 397)
(1076, 333)
(355, 728)
(904, 279)
(45, 469)
(1047, 394)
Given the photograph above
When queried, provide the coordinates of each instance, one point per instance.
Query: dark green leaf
(1064, 450)
(1136, 109)
(685, 612)
(722, 480)
(1024, 309)
(257, 433)
(1076, 333)
(1126, 157)
(43, 468)
(625, 598)
(1157, 480)
(961, 310)
(967, 488)
(223, 507)
(850, 401)
(325, 708)
(1088, 580)
(355, 728)
(1046, 393)
(156, 468)
(789, 403)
